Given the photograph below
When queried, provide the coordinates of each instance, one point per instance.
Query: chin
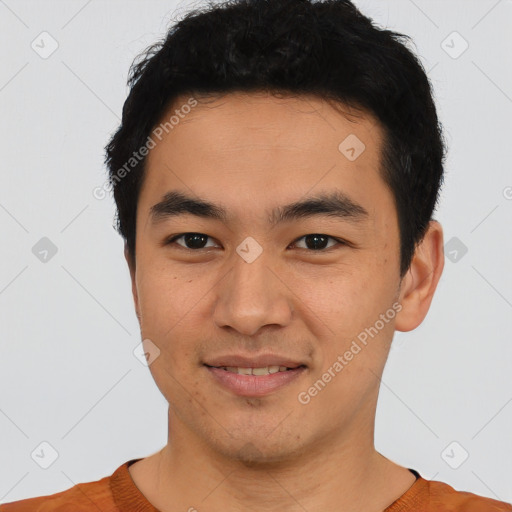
(260, 453)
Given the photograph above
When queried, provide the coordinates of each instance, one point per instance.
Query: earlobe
(131, 267)
(420, 282)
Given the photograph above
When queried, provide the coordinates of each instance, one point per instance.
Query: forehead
(303, 123)
(255, 145)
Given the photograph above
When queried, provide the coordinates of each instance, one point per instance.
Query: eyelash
(339, 241)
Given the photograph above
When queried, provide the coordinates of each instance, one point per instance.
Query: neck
(336, 473)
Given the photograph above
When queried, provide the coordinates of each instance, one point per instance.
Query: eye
(317, 241)
(192, 241)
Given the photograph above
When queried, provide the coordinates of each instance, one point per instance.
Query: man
(275, 174)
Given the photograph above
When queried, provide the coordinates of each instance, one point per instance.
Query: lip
(254, 385)
(260, 361)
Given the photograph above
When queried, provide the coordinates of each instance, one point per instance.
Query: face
(246, 276)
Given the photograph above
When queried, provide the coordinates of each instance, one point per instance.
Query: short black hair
(327, 49)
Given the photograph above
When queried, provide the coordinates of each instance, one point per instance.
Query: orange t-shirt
(118, 493)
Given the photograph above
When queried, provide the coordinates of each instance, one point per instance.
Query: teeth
(255, 371)
(260, 371)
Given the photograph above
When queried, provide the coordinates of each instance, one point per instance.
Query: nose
(251, 296)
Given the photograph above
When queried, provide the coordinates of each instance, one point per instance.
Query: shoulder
(444, 498)
(83, 497)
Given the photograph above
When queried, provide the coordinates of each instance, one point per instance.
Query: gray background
(68, 374)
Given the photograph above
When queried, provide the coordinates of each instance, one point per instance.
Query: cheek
(341, 298)
(167, 304)
(173, 315)
(166, 296)
(341, 307)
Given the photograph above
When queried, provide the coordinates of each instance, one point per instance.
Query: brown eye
(317, 242)
(192, 241)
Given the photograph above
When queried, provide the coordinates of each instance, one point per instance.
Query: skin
(251, 153)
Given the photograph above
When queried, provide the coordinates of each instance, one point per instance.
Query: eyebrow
(330, 204)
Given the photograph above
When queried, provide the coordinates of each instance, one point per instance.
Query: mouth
(254, 382)
(265, 370)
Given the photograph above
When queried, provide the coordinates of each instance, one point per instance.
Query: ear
(420, 282)
(131, 267)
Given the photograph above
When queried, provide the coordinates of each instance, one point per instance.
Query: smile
(266, 370)
(254, 382)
